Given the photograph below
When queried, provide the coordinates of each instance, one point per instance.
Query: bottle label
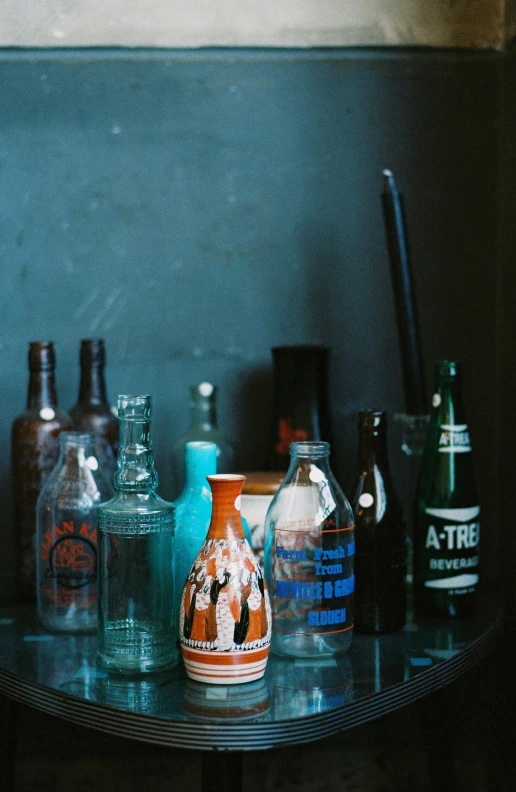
(313, 578)
(69, 554)
(454, 438)
(450, 553)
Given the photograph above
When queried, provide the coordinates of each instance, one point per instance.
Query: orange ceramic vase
(225, 614)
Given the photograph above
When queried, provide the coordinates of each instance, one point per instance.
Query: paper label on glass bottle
(454, 438)
(313, 578)
(449, 559)
(69, 554)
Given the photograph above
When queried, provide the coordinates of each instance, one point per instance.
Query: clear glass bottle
(136, 598)
(309, 549)
(203, 426)
(66, 536)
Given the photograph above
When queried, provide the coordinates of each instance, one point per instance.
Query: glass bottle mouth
(41, 356)
(93, 351)
(310, 448)
(226, 477)
(134, 408)
(372, 420)
(447, 368)
(76, 439)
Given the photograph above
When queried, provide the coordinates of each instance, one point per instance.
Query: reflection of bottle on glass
(309, 549)
(92, 412)
(447, 527)
(66, 538)
(304, 687)
(136, 527)
(203, 426)
(35, 450)
(246, 702)
(380, 597)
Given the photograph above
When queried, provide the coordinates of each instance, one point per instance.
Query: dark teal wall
(196, 208)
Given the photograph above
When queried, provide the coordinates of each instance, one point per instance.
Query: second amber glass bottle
(92, 412)
(380, 598)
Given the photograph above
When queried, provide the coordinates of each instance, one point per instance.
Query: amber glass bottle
(92, 412)
(34, 453)
(379, 533)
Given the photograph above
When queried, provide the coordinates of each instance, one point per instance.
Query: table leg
(8, 742)
(222, 771)
(439, 744)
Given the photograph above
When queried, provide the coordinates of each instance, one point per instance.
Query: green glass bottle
(136, 527)
(447, 528)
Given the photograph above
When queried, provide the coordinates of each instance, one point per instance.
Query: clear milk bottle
(309, 553)
(66, 536)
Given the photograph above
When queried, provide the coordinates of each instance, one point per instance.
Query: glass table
(297, 701)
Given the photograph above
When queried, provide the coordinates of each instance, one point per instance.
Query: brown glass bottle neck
(92, 389)
(42, 390)
(372, 450)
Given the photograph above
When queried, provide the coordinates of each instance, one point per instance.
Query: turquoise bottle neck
(200, 462)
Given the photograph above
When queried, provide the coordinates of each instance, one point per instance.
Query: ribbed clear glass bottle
(136, 601)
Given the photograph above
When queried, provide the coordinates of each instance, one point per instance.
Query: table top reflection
(296, 701)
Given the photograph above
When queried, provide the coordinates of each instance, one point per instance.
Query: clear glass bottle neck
(136, 472)
(76, 448)
(306, 459)
(203, 400)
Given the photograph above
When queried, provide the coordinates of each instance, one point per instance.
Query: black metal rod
(406, 315)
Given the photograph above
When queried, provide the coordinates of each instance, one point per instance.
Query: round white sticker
(238, 502)
(114, 410)
(366, 500)
(92, 463)
(47, 413)
(316, 475)
(205, 388)
(436, 400)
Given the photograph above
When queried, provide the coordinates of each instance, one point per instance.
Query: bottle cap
(41, 356)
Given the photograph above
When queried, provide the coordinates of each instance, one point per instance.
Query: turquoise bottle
(193, 510)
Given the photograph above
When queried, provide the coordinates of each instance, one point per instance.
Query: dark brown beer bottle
(34, 453)
(92, 412)
(380, 596)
